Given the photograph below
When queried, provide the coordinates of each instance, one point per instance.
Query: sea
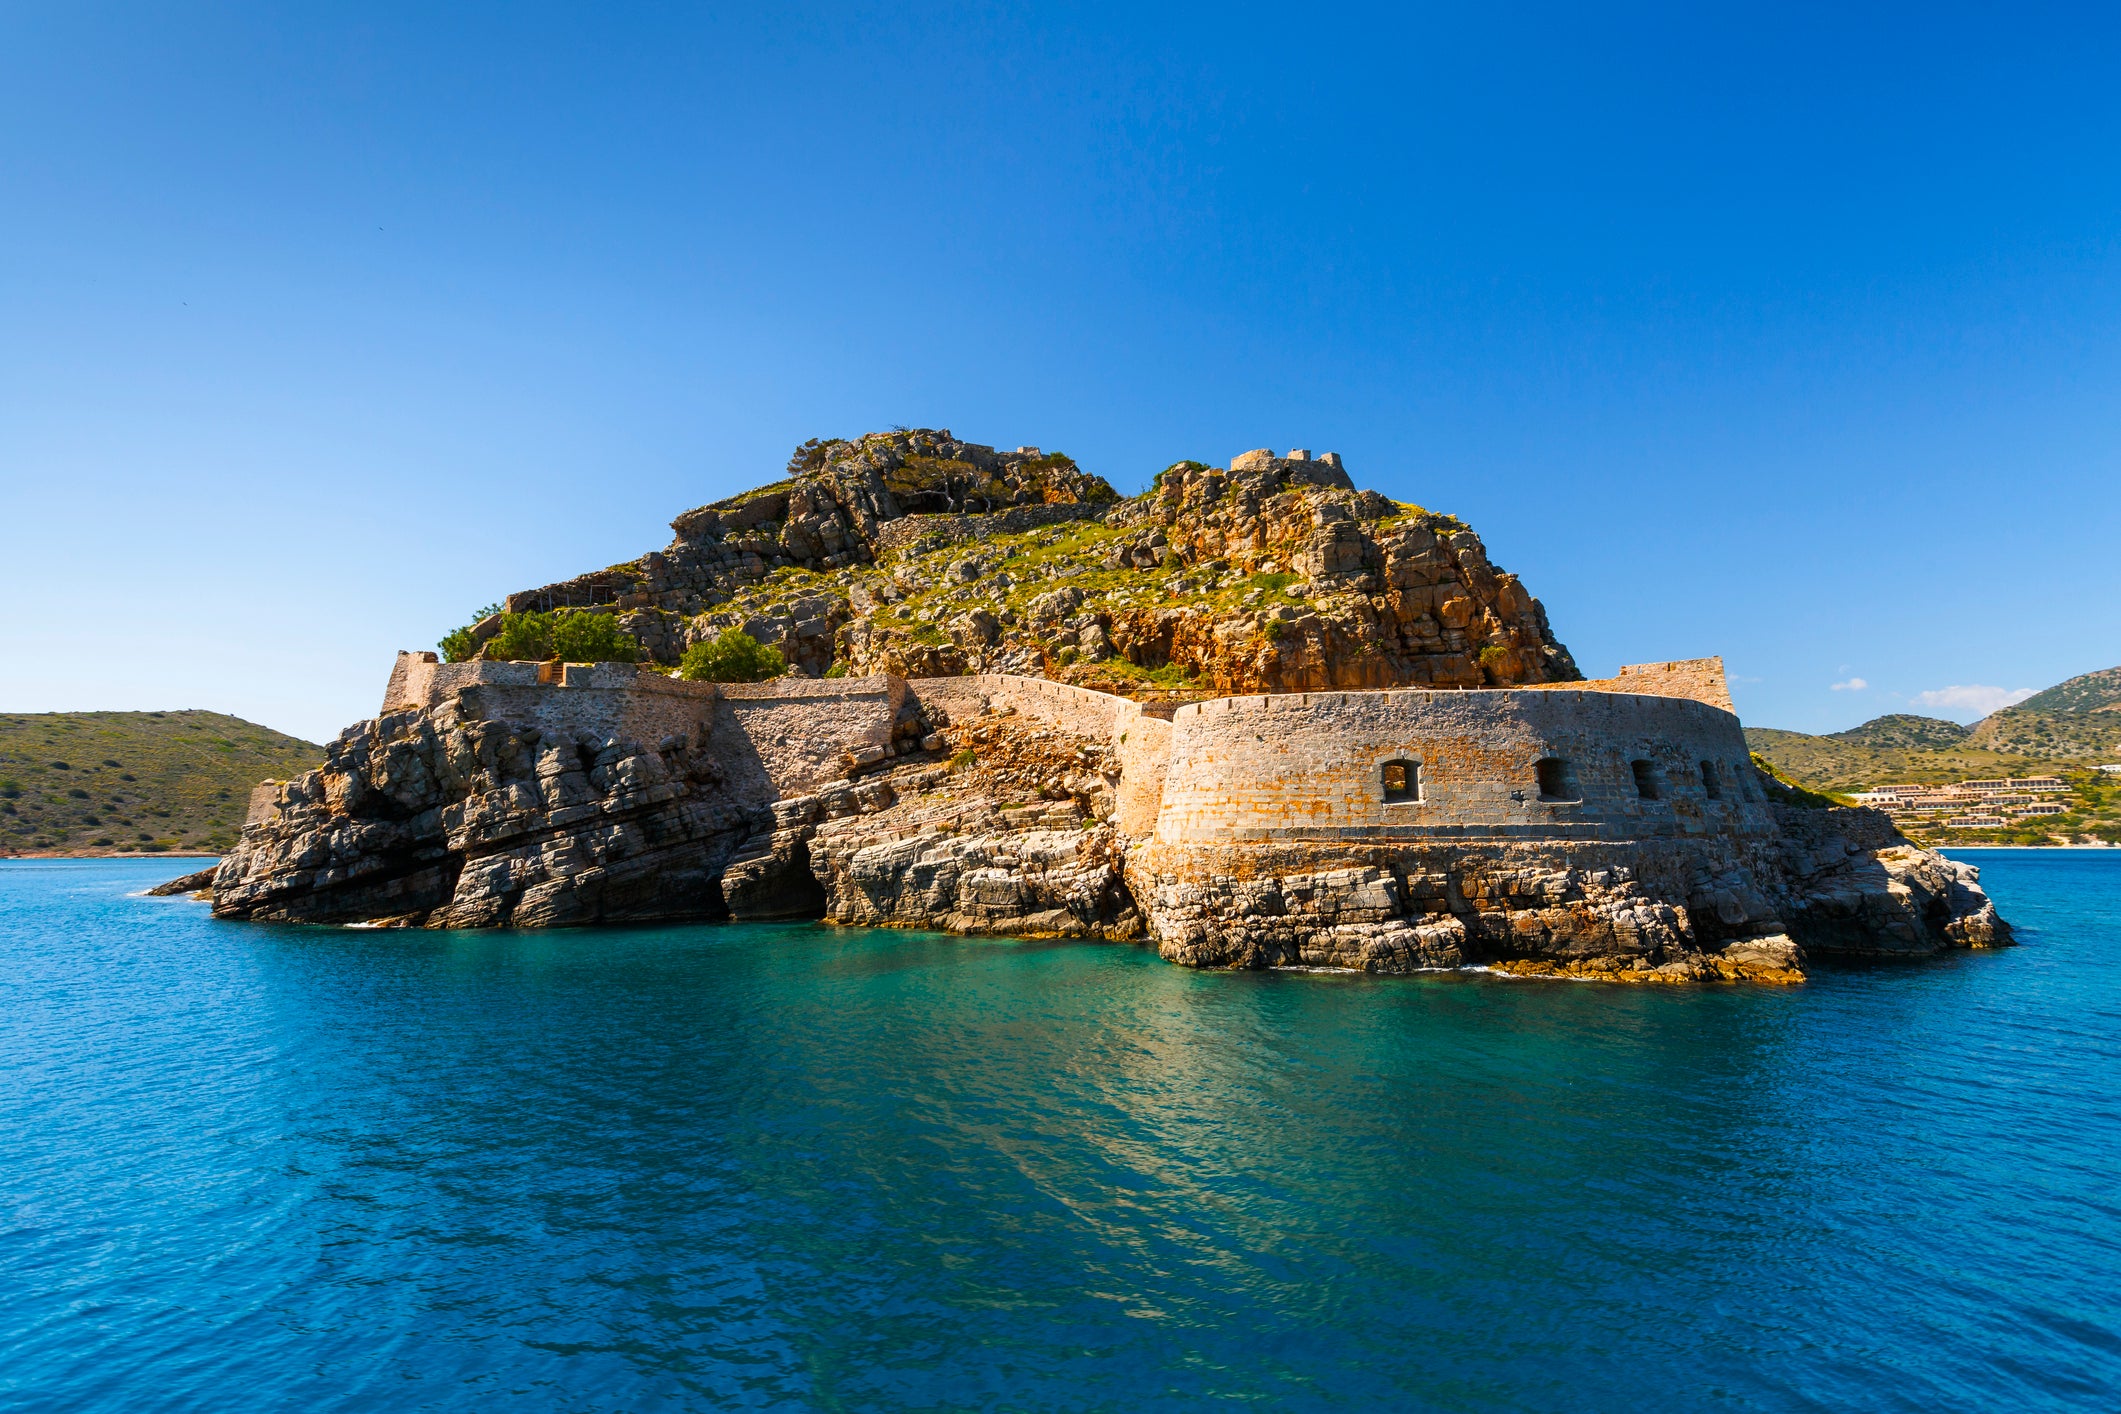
(743, 1166)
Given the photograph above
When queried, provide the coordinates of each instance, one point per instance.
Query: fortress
(1611, 828)
(1385, 759)
(1596, 761)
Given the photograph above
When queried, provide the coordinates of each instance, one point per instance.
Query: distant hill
(134, 782)
(2068, 727)
(2079, 719)
(1904, 732)
(1847, 761)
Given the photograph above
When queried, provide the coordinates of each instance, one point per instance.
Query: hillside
(2077, 720)
(134, 782)
(1901, 731)
(913, 552)
(1847, 761)
(2063, 731)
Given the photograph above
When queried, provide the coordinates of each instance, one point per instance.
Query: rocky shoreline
(999, 823)
(1311, 727)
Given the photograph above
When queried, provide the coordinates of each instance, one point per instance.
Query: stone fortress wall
(1499, 764)
(1623, 764)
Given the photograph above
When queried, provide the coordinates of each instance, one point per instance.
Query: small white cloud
(1971, 700)
(1852, 685)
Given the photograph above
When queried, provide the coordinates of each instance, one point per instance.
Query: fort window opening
(1556, 780)
(1402, 782)
(1646, 780)
(1709, 782)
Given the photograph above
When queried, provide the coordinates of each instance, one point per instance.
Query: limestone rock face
(427, 817)
(1645, 912)
(918, 554)
(1394, 596)
(459, 814)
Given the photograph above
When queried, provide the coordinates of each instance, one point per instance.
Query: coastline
(155, 854)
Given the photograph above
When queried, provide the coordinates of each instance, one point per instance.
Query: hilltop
(2071, 726)
(77, 783)
(2065, 731)
(913, 552)
(2075, 720)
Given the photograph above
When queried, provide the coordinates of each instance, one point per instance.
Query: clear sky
(1788, 333)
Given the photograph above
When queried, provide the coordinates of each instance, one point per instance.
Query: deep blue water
(315, 1169)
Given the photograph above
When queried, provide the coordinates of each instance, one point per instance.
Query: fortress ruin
(1611, 828)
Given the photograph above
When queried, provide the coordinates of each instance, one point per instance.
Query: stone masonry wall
(1308, 766)
(1283, 767)
(1141, 741)
(1701, 679)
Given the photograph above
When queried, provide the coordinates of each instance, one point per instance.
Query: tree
(732, 656)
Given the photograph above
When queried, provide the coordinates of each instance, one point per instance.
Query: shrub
(1492, 655)
(1274, 629)
(572, 636)
(732, 656)
(458, 646)
(592, 638)
(523, 638)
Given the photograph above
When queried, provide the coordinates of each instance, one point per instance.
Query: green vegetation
(2093, 812)
(1786, 791)
(1849, 762)
(458, 645)
(733, 656)
(135, 782)
(1904, 731)
(2059, 732)
(569, 635)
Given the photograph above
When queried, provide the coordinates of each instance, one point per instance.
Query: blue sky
(1788, 333)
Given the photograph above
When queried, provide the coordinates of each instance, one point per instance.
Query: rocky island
(1255, 716)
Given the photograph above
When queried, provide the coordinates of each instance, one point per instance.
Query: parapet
(1701, 679)
(1695, 679)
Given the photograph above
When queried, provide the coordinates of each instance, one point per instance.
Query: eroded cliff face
(440, 818)
(918, 554)
(1000, 823)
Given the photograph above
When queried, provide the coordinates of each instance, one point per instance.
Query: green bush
(523, 638)
(592, 638)
(457, 645)
(1492, 655)
(572, 636)
(733, 656)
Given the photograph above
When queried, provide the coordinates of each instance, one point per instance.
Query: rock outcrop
(446, 819)
(1208, 718)
(984, 806)
(918, 554)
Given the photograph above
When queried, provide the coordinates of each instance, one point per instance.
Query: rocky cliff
(943, 804)
(927, 762)
(918, 554)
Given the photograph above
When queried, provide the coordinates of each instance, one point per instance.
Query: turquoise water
(786, 1166)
